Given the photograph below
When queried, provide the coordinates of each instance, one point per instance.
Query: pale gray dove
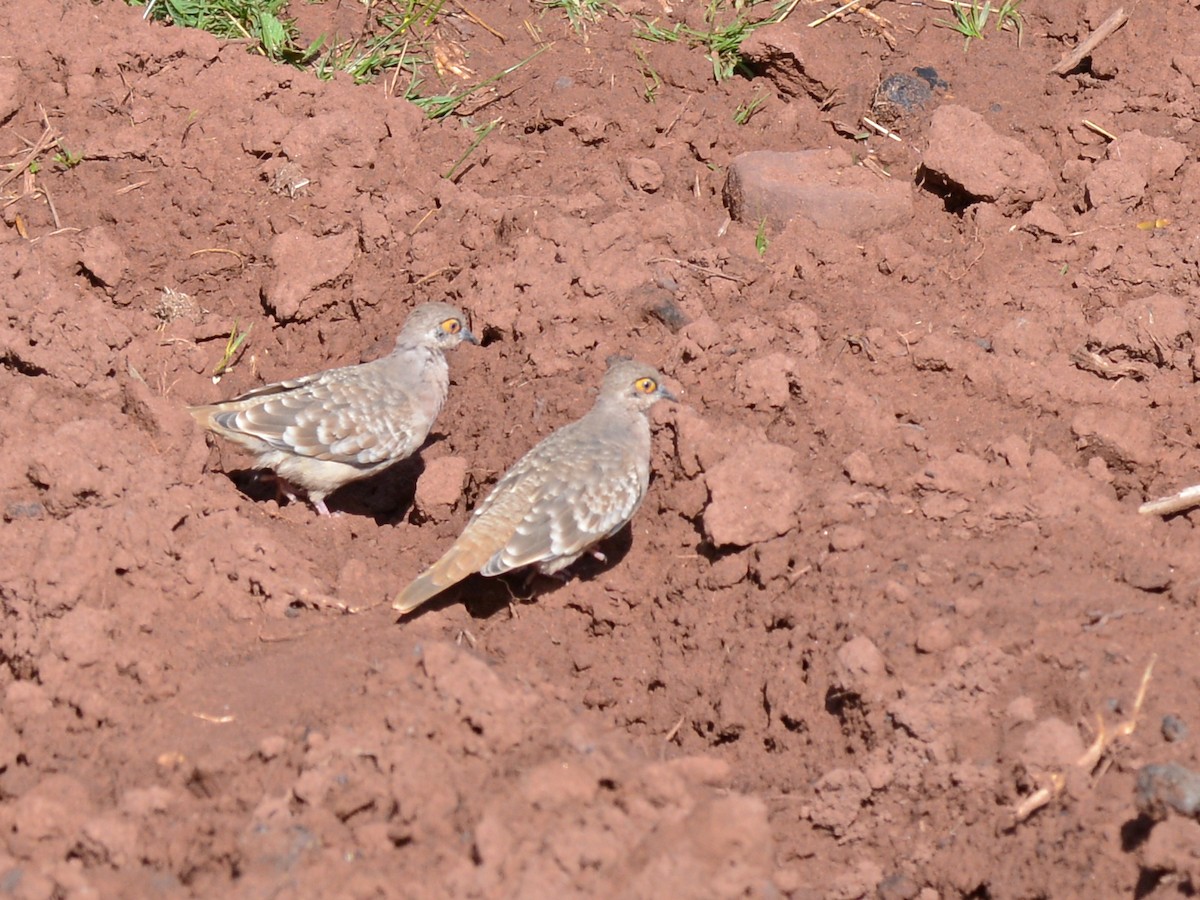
(322, 431)
(580, 485)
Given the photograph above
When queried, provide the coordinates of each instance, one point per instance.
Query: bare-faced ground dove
(580, 485)
(322, 431)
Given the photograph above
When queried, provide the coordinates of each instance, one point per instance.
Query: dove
(322, 431)
(580, 485)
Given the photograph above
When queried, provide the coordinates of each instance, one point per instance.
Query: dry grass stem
(1116, 19)
(1091, 758)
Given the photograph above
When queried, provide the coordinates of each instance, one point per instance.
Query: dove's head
(436, 325)
(633, 385)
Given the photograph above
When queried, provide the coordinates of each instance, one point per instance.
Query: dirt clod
(890, 566)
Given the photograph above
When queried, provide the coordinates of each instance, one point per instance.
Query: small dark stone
(1161, 789)
(23, 511)
(1174, 728)
(898, 887)
(930, 75)
(898, 96)
(663, 306)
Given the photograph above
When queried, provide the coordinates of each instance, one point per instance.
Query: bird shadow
(386, 497)
(483, 597)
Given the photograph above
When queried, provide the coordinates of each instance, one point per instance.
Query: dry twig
(240, 260)
(47, 140)
(1104, 133)
(698, 269)
(1118, 18)
(1091, 757)
(1090, 361)
(845, 7)
(860, 7)
(1187, 498)
(871, 123)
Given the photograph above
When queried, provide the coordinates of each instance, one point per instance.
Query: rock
(1147, 573)
(1051, 744)
(10, 90)
(797, 66)
(699, 446)
(440, 487)
(860, 470)
(823, 186)
(1122, 440)
(896, 256)
(1115, 183)
(862, 666)
(1042, 219)
(754, 495)
(345, 135)
(954, 472)
(843, 538)
(765, 382)
(83, 636)
(1163, 788)
(969, 157)
(839, 797)
(102, 257)
(589, 128)
(941, 352)
(1145, 328)
(644, 174)
(1171, 848)
(1014, 450)
(775, 559)
(900, 95)
(727, 571)
(660, 303)
(301, 263)
(898, 886)
(1174, 728)
(703, 332)
(935, 637)
(1156, 158)
(1022, 709)
(860, 881)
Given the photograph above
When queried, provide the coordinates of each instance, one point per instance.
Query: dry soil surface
(890, 582)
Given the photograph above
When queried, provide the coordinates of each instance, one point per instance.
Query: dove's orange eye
(645, 385)
(452, 326)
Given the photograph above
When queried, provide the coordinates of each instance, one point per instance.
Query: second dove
(580, 485)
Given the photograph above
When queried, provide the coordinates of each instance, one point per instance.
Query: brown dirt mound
(891, 572)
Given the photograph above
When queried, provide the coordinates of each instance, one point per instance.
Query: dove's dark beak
(469, 337)
(667, 395)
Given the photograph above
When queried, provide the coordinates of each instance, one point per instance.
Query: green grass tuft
(580, 13)
(254, 20)
(722, 39)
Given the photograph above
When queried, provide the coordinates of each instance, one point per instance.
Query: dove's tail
(468, 555)
(204, 416)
